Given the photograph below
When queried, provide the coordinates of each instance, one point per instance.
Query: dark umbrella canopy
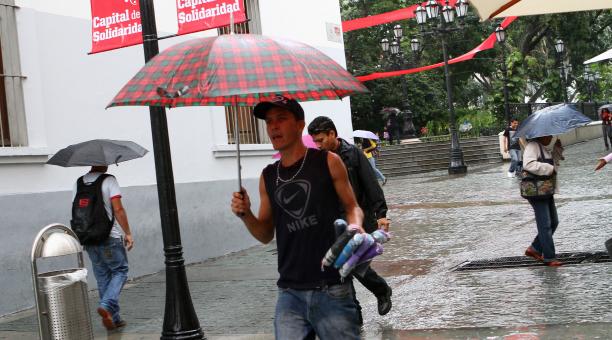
(97, 152)
(551, 121)
(240, 69)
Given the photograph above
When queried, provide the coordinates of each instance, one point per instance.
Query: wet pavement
(437, 222)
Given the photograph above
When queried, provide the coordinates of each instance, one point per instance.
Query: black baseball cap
(279, 101)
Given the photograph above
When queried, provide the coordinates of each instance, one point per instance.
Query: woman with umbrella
(541, 162)
(541, 166)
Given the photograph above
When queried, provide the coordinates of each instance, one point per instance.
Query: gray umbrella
(97, 152)
(551, 121)
(606, 106)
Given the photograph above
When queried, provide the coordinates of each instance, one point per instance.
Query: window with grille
(12, 111)
(251, 129)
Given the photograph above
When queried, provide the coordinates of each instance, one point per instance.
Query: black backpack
(89, 219)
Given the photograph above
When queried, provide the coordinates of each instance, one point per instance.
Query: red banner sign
(115, 24)
(200, 15)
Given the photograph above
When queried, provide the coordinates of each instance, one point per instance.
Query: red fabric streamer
(373, 20)
(485, 45)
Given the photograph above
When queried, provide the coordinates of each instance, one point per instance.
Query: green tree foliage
(531, 60)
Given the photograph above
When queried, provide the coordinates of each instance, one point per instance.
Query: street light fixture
(443, 28)
(393, 48)
(560, 48)
(500, 35)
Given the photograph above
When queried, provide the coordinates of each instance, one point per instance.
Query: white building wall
(66, 92)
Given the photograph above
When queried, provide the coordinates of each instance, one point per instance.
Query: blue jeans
(547, 222)
(515, 159)
(330, 313)
(110, 267)
(379, 174)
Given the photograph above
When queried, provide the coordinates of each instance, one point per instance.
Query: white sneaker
(510, 174)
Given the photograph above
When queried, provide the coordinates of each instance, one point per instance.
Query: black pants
(374, 283)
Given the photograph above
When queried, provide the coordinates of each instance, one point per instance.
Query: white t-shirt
(110, 190)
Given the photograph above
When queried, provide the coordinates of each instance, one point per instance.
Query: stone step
(408, 170)
(433, 154)
(399, 160)
(464, 142)
(438, 161)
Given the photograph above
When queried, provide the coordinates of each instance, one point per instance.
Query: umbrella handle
(237, 141)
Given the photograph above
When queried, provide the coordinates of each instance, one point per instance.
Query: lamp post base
(456, 166)
(457, 170)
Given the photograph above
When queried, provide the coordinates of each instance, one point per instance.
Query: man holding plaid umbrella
(300, 198)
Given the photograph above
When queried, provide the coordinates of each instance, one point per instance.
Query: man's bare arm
(354, 214)
(121, 217)
(262, 227)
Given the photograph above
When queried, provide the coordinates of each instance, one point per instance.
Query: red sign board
(200, 15)
(115, 24)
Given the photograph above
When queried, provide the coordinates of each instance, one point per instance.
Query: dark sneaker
(533, 253)
(107, 318)
(384, 181)
(120, 323)
(384, 302)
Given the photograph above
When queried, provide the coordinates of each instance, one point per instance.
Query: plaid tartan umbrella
(241, 69)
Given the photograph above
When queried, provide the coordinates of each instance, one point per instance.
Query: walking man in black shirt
(369, 194)
(300, 197)
(512, 146)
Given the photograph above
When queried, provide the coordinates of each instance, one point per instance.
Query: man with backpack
(100, 222)
(369, 194)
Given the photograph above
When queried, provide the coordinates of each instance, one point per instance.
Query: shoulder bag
(536, 187)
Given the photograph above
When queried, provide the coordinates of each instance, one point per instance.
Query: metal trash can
(62, 304)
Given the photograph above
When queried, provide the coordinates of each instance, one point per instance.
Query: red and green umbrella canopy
(241, 69)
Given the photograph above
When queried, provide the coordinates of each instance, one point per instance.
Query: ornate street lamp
(500, 35)
(442, 28)
(560, 48)
(396, 56)
(590, 79)
(420, 14)
(433, 9)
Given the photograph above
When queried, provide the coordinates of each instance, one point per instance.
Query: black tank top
(304, 210)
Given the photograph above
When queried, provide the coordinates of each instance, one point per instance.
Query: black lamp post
(560, 48)
(180, 319)
(500, 35)
(442, 28)
(398, 60)
(590, 79)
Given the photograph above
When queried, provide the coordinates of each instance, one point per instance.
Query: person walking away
(393, 126)
(108, 256)
(370, 197)
(369, 146)
(606, 126)
(512, 146)
(301, 196)
(540, 162)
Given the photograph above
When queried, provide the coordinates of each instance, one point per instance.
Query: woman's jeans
(379, 174)
(110, 267)
(547, 222)
(328, 313)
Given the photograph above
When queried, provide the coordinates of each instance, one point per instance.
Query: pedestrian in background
(393, 126)
(606, 126)
(540, 162)
(513, 146)
(108, 258)
(369, 148)
(370, 197)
